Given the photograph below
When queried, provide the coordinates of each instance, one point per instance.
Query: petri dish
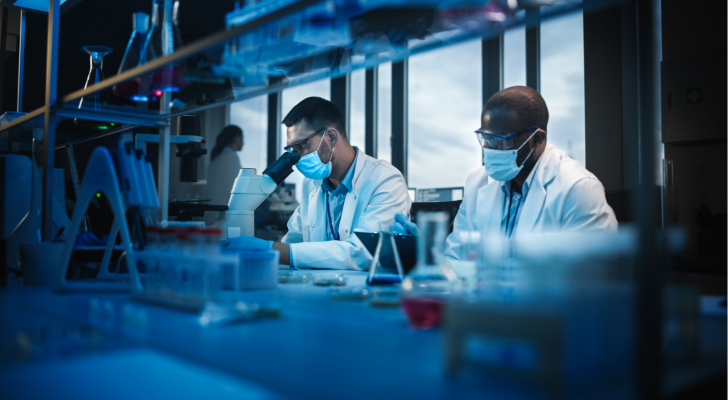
(293, 277)
(385, 298)
(330, 280)
(356, 293)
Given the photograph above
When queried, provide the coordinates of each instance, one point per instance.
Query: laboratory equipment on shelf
(132, 58)
(249, 191)
(95, 75)
(189, 153)
(386, 267)
(21, 189)
(124, 176)
(432, 283)
(162, 40)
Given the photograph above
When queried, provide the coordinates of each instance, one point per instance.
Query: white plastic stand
(101, 177)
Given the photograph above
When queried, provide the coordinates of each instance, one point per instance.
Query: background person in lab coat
(224, 168)
(344, 190)
(526, 185)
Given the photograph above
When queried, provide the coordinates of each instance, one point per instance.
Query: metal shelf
(275, 48)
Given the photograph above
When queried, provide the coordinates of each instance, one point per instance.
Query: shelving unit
(212, 72)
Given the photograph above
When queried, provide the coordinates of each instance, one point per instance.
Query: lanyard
(508, 211)
(329, 219)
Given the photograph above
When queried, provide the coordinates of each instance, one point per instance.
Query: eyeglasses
(301, 144)
(499, 142)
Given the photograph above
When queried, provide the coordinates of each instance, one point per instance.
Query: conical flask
(432, 282)
(386, 267)
(162, 40)
(153, 42)
(133, 55)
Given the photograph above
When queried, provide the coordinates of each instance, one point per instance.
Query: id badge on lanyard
(330, 220)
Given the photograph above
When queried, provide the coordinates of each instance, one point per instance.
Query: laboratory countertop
(318, 348)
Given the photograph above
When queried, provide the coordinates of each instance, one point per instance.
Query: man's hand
(405, 227)
(246, 243)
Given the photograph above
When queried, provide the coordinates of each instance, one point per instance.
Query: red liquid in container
(423, 312)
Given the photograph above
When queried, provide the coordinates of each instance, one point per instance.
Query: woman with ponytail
(224, 167)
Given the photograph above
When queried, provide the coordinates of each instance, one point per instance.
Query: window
(291, 97)
(384, 111)
(514, 57)
(357, 108)
(562, 83)
(251, 116)
(445, 101)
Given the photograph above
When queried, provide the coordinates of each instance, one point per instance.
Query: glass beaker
(95, 75)
(432, 282)
(386, 267)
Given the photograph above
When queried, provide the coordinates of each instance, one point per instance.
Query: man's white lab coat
(563, 196)
(379, 192)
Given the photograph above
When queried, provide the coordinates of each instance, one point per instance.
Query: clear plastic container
(258, 270)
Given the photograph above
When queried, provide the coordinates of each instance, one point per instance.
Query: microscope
(249, 191)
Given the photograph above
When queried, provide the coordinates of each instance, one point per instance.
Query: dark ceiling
(95, 22)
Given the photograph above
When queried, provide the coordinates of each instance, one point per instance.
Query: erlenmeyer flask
(132, 56)
(386, 267)
(95, 75)
(164, 39)
(153, 42)
(432, 282)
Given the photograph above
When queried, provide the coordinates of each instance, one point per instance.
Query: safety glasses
(499, 142)
(300, 145)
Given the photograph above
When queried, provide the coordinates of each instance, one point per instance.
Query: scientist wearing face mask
(344, 191)
(526, 184)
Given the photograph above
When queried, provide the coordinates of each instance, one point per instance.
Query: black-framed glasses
(303, 142)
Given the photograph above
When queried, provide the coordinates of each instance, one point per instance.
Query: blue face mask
(501, 165)
(311, 166)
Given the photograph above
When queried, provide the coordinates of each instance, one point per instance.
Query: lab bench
(318, 348)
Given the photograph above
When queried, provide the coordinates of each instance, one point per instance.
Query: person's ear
(539, 137)
(333, 136)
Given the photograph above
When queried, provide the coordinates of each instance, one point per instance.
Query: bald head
(524, 106)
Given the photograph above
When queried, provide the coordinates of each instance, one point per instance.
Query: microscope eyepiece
(283, 166)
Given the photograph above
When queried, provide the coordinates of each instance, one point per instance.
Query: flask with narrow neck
(432, 282)
(132, 57)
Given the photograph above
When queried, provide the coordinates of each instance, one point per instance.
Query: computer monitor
(440, 194)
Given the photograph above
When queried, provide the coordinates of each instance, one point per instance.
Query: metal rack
(280, 12)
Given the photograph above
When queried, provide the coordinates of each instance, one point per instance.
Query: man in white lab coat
(526, 185)
(344, 190)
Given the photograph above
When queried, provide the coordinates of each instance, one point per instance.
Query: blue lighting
(139, 97)
(39, 5)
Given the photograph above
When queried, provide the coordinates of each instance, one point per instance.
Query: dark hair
(228, 134)
(525, 101)
(318, 113)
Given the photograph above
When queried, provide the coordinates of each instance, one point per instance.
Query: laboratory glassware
(164, 39)
(386, 267)
(432, 282)
(95, 75)
(132, 57)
